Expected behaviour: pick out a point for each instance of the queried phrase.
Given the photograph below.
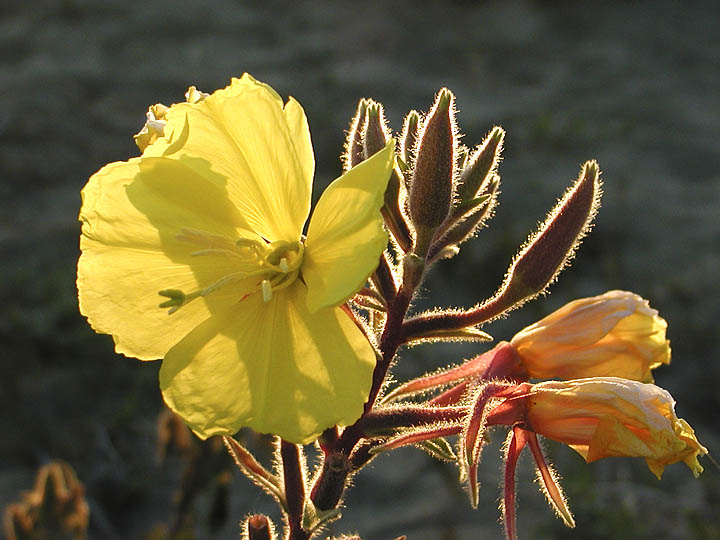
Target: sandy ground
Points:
(633, 84)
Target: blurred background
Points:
(635, 85)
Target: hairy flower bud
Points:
(258, 527)
(408, 139)
(354, 152)
(482, 165)
(547, 252)
(467, 218)
(431, 187)
(614, 334)
(375, 134)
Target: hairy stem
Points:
(337, 467)
(294, 487)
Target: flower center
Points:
(270, 266)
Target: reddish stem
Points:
(331, 482)
(294, 487)
(456, 320)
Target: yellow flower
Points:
(608, 416)
(615, 334)
(211, 217)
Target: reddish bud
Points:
(408, 139)
(354, 151)
(259, 527)
(466, 219)
(547, 252)
(431, 187)
(482, 165)
(375, 134)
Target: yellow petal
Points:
(246, 135)
(132, 214)
(272, 366)
(346, 237)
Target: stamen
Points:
(276, 265)
(266, 290)
(215, 251)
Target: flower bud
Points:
(375, 134)
(547, 252)
(354, 152)
(431, 187)
(469, 217)
(408, 139)
(611, 417)
(259, 527)
(615, 334)
(482, 165)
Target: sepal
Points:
(251, 468)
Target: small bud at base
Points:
(259, 527)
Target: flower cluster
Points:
(198, 252)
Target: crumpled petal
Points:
(132, 213)
(611, 417)
(260, 144)
(271, 366)
(614, 334)
(346, 236)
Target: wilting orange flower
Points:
(616, 334)
(608, 416)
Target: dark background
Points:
(634, 84)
